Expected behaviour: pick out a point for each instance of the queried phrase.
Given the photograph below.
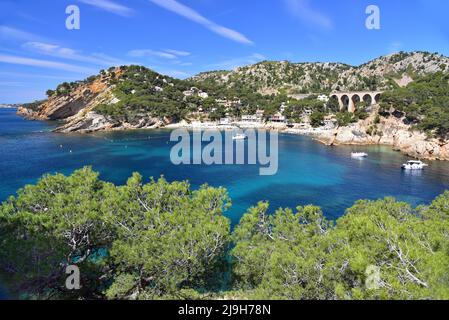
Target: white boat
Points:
(359, 155)
(239, 137)
(414, 165)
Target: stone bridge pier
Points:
(348, 100)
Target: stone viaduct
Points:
(348, 100)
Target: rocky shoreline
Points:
(78, 113)
(392, 132)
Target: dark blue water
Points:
(309, 173)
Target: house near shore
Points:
(260, 113)
(278, 117)
(252, 118)
(258, 117)
(225, 121)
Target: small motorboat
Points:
(359, 155)
(414, 165)
(240, 137)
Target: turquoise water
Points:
(309, 173)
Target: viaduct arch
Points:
(348, 100)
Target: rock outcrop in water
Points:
(388, 131)
(92, 122)
(77, 107)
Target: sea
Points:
(308, 171)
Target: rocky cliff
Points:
(76, 106)
(79, 98)
(388, 131)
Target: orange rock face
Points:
(65, 106)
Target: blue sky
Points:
(183, 37)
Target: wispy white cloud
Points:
(140, 53)
(10, 33)
(188, 13)
(70, 54)
(165, 54)
(9, 59)
(178, 52)
(238, 62)
(110, 6)
(47, 48)
(11, 84)
(185, 64)
(307, 14)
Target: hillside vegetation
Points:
(141, 91)
(424, 103)
(163, 240)
(415, 86)
(383, 73)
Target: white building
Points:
(323, 98)
(260, 113)
(278, 117)
(252, 118)
(203, 95)
(195, 91)
(282, 107)
(225, 122)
